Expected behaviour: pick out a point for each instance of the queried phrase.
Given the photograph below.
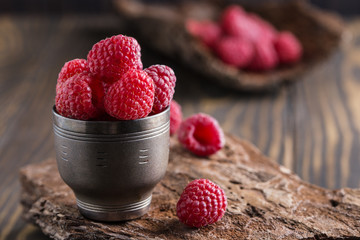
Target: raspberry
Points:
(201, 134)
(288, 48)
(235, 51)
(76, 99)
(131, 97)
(267, 30)
(106, 86)
(98, 91)
(207, 31)
(112, 57)
(164, 81)
(235, 22)
(201, 203)
(175, 117)
(69, 69)
(265, 57)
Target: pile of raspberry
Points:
(111, 83)
(246, 41)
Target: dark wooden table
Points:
(311, 126)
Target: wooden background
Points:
(345, 7)
(311, 126)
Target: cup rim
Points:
(140, 119)
(111, 127)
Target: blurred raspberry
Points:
(69, 69)
(201, 203)
(207, 31)
(131, 97)
(288, 48)
(235, 22)
(235, 51)
(76, 99)
(201, 134)
(175, 117)
(268, 31)
(265, 57)
(112, 57)
(164, 81)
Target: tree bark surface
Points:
(265, 201)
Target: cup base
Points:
(114, 213)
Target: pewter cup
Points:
(112, 166)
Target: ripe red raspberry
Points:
(131, 97)
(265, 57)
(106, 86)
(98, 91)
(112, 57)
(69, 69)
(164, 81)
(201, 134)
(207, 31)
(235, 51)
(201, 203)
(288, 48)
(76, 99)
(235, 22)
(175, 117)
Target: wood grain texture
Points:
(312, 127)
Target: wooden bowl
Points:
(163, 28)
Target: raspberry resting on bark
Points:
(201, 203)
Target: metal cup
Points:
(112, 166)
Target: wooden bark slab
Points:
(163, 28)
(265, 201)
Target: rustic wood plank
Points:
(326, 131)
(22, 127)
(350, 71)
